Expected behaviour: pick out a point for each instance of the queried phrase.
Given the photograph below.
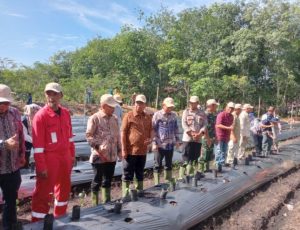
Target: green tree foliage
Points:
(237, 52)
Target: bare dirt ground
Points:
(276, 205)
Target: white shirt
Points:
(245, 124)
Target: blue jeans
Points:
(221, 152)
(267, 143)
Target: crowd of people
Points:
(209, 137)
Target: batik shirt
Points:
(10, 125)
(194, 121)
(165, 128)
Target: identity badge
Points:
(54, 137)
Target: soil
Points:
(276, 205)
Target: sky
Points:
(34, 30)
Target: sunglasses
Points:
(4, 103)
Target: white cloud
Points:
(175, 5)
(92, 17)
(12, 14)
(30, 43)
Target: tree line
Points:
(247, 51)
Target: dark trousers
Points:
(134, 165)
(103, 174)
(267, 143)
(258, 143)
(28, 147)
(10, 184)
(191, 152)
(158, 158)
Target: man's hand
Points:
(234, 139)
(43, 174)
(190, 133)
(231, 128)
(12, 143)
(209, 142)
(22, 161)
(197, 136)
(148, 141)
(154, 148)
(124, 154)
(177, 145)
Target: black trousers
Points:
(10, 184)
(258, 143)
(158, 158)
(103, 174)
(134, 165)
(191, 152)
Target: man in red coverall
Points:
(53, 154)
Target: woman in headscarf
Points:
(29, 112)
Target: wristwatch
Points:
(1, 144)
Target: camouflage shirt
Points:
(211, 123)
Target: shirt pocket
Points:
(190, 119)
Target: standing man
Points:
(118, 109)
(103, 135)
(266, 125)
(256, 131)
(12, 156)
(208, 141)
(166, 137)
(136, 135)
(29, 112)
(245, 130)
(233, 145)
(224, 126)
(194, 122)
(53, 154)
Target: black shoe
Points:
(227, 165)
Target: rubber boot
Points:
(156, 178)
(206, 166)
(168, 175)
(189, 169)
(140, 188)
(201, 166)
(95, 198)
(105, 195)
(125, 188)
(181, 172)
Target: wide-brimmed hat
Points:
(211, 102)
(5, 94)
(118, 98)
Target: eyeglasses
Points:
(4, 103)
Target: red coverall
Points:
(53, 151)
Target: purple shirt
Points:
(225, 119)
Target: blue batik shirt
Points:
(165, 127)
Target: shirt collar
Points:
(51, 112)
(137, 114)
(102, 114)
